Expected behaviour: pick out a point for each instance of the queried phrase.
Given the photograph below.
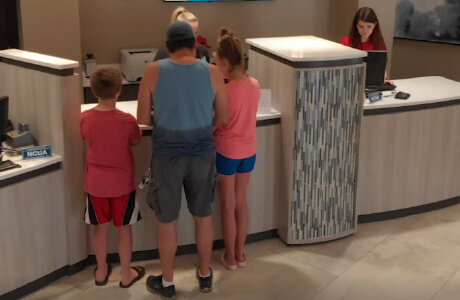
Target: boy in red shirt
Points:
(109, 175)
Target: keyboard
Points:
(382, 88)
(8, 164)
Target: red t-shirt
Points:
(109, 170)
(364, 46)
(237, 139)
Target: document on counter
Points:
(265, 102)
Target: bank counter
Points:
(40, 209)
(263, 190)
(42, 233)
(409, 158)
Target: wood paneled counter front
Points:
(409, 157)
(41, 231)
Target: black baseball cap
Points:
(179, 31)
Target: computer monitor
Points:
(375, 70)
(3, 117)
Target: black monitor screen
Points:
(3, 117)
(375, 70)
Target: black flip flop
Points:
(140, 273)
(102, 283)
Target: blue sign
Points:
(374, 97)
(37, 152)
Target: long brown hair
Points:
(366, 14)
(229, 48)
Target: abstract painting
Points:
(428, 20)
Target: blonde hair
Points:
(229, 47)
(181, 14)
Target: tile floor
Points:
(413, 258)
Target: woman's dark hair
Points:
(176, 45)
(366, 14)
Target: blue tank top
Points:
(183, 104)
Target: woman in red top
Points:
(365, 31)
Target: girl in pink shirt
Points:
(236, 148)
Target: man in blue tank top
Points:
(188, 98)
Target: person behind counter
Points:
(183, 15)
(236, 148)
(109, 175)
(188, 98)
(365, 33)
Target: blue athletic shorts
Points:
(228, 166)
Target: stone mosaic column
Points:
(318, 86)
(325, 153)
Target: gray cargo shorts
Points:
(196, 175)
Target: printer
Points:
(134, 61)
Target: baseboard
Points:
(34, 285)
(401, 213)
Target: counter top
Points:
(305, 48)
(28, 165)
(423, 90)
(131, 108)
(38, 59)
(116, 66)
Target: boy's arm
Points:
(136, 142)
(136, 134)
(81, 127)
(221, 111)
(146, 90)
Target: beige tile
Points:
(82, 280)
(427, 244)
(370, 279)
(451, 213)
(113, 292)
(337, 256)
(59, 289)
(38, 295)
(398, 259)
(437, 260)
(451, 290)
(271, 276)
(432, 225)
(256, 249)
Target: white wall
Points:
(51, 27)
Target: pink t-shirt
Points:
(237, 139)
(109, 170)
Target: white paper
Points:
(265, 102)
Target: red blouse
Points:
(364, 46)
